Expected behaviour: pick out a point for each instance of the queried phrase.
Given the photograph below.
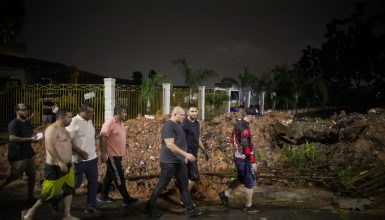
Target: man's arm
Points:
(247, 145)
(176, 150)
(79, 151)
(72, 128)
(14, 138)
(103, 148)
(50, 138)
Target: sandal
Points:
(24, 215)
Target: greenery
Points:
(344, 176)
(300, 157)
(347, 67)
(148, 89)
(342, 214)
(193, 78)
(216, 100)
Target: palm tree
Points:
(193, 77)
(247, 80)
(148, 89)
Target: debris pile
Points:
(338, 151)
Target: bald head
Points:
(177, 110)
(177, 114)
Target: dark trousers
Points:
(90, 169)
(167, 172)
(115, 173)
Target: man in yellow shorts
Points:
(59, 173)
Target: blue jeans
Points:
(90, 169)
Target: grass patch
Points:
(300, 156)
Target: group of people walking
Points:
(71, 155)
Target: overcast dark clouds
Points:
(115, 38)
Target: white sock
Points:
(249, 197)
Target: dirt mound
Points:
(344, 146)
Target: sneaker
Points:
(194, 212)
(105, 199)
(92, 210)
(183, 206)
(224, 199)
(129, 201)
(251, 209)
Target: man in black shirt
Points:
(173, 159)
(47, 112)
(20, 151)
(191, 128)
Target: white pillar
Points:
(166, 98)
(262, 103)
(229, 100)
(248, 99)
(109, 98)
(201, 103)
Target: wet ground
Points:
(12, 202)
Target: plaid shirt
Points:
(243, 139)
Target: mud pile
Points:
(346, 144)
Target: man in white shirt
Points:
(85, 159)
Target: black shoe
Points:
(224, 199)
(251, 209)
(194, 212)
(149, 210)
(129, 201)
(55, 207)
(92, 210)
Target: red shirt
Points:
(243, 139)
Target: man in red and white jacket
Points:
(243, 152)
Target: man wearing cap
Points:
(20, 151)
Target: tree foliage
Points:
(148, 89)
(193, 78)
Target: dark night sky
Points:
(115, 38)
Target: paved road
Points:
(12, 202)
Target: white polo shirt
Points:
(82, 133)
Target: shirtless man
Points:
(59, 173)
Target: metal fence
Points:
(216, 100)
(71, 96)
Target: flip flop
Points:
(24, 215)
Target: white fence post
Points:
(166, 98)
(109, 98)
(229, 100)
(262, 110)
(201, 103)
(248, 100)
